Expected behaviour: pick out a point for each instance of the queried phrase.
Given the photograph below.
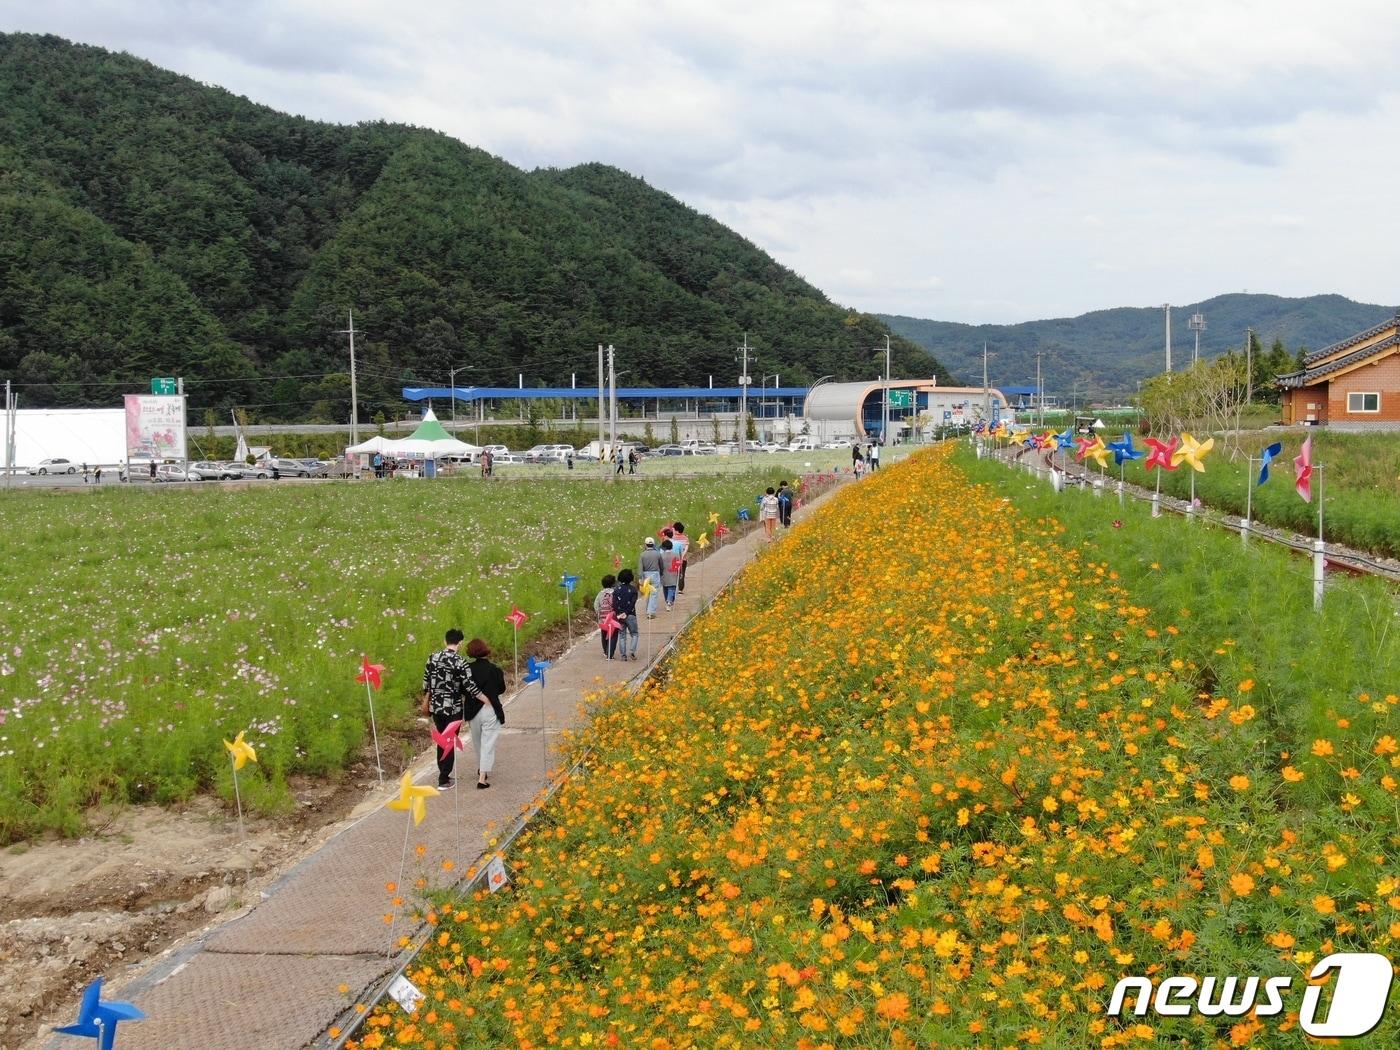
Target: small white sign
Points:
(405, 993)
(496, 876)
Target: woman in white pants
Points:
(485, 719)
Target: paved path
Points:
(269, 978)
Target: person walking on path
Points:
(602, 605)
(855, 454)
(874, 456)
(649, 568)
(85, 473)
(620, 460)
(485, 716)
(768, 511)
(632, 460)
(681, 544)
(97, 474)
(624, 604)
(447, 681)
(670, 572)
(785, 504)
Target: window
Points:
(1363, 402)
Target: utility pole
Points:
(986, 390)
(184, 422)
(885, 399)
(612, 411)
(1039, 391)
(9, 436)
(1197, 324)
(602, 463)
(744, 399)
(354, 391)
(1167, 309)
(1248, 365)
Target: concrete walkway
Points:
(270, 978)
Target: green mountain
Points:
(1103, 354)
(157, 226)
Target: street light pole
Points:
(452, 382)
(1039, 391)
(885, 398)
(744, 398)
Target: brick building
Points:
(1351, 385)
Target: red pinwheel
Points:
(675, 565)
(1160, 455)
(448, 739)
(610, 624)
(721, 529)
(617, 561)
(1303, 471)
(371, 674)
(517, 617)
(1083, 445)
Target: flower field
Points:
(936, 774)
(141, 626)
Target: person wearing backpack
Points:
(681, 543)
(624, 607)
(785, 504)
(602, 605)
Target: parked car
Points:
(496, 450)
(318, 468)
(805, 443)
(771, 446)
(670, 450)
(838, 443)
(172, 472)
(54, 466)
(242, 470)
(287, 468)
(207, 470)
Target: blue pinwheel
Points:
(1266, 457)
(1066, 439)
(568, 581)
(743, 514)
(1123, 450)
(98, 1020)
(534, 670)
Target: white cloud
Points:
(1040, 157)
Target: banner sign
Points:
(155, 425)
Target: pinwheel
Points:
(569, 581)
(98, 1019)
(714, 517)
(413, 798)
(373, 677)
(1270, 453)
(610, 624)
(743, 514)
(1303, 471)
(1193, 452)
(535, 673)
(645, 589)
(535, 670)
(617, 561)
(1266, 456)
(240, 753)
(1161, 454)
(702, 541)
(1082, 447)
(1099, 452)
(1123, 450)
(449, 739)
(516, 619)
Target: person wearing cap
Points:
(484, 712)
(649, 568)
(670, 571)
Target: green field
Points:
(144, 625)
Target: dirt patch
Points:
(74, 909)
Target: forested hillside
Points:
(1105, 353)
(157, 226)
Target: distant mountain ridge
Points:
(158, 226)
(1106, 352)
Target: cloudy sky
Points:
(1001, 160)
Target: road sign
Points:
(163, 385)
(901, 399)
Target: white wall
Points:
(92, 435)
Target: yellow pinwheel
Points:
(413, 798)
(241, 750)
(714, 517)
(1192, 452)
(702, 541)
(645, 588)
(1098, 451)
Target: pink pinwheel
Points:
(1083, 445)
(610, 624)
(1303, 470)
(517, 617)
(675, 565)
(371, 674)
(448, 739)
(1161, 454)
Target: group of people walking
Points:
(869, 459)
(457, 690)
(659, 578)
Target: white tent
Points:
(374, 444)
(430, 440)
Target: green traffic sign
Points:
(901, 399)
(164, 385)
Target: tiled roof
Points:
(1309, 376)
(1352, 340)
